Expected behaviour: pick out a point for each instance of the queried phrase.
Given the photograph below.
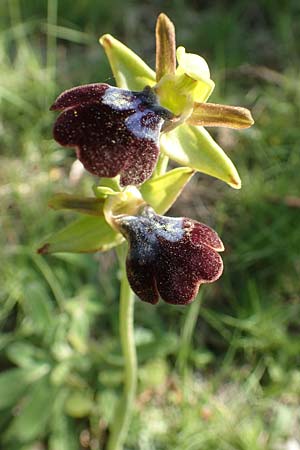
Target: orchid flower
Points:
(182, 89)
(169, 257)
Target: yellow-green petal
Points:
(193, 146)
(197, 68)
(161, 192)
(129, 70)
(214, 115)
(194, 65)
(165, 47)
(85, 235)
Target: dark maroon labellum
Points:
(115, 131)
(170, 257)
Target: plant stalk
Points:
(124, 407)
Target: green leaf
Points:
(14, 382)
(129, 70)
(34, 415)
(25, 354)
(161, 192)
(193, 146)
(79, 403)
(64, 432)
(106, 401)
(79, 326)
(110, 378)
(38, 307)
(60, 372)
(154, 373)
(84, 205)
(87, 234)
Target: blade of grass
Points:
(51, 39)
(50, 278)
(188, 329)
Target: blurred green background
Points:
(224, 375)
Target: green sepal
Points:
(161, 192)
(85, 235)
(193, 146)
(84, 205)
(129, 70)
(35, 412)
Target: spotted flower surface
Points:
(115, 131)
(169, 257)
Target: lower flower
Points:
(169, 257)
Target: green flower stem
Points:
(162, 165)
(124, 408)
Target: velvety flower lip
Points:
(115, 131)
(169, 257)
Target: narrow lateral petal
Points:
(165, 47)
(214, 115)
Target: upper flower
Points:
(183, 89)
(114, 130)
(169, 257)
